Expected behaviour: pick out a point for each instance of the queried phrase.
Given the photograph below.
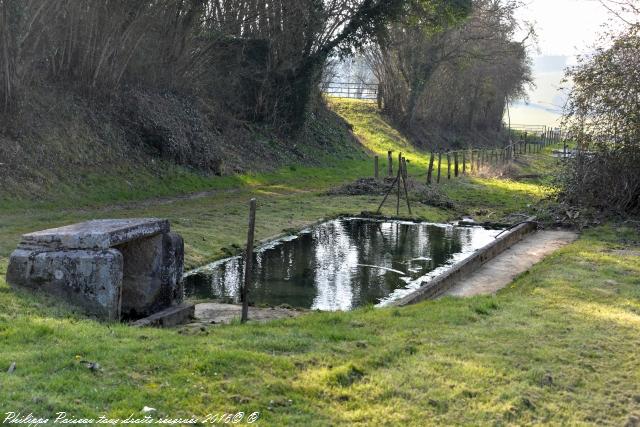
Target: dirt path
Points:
(167, 200)
(500, 271)
(216, 313)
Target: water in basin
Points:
(341, 264)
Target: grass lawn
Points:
(559, 346)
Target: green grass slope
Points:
(558, 346)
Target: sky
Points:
(565, 29)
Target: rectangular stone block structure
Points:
(114, 269)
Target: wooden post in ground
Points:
(448, 165)
(430, 170)
(404, 184)
(439, 166)
(405, 169)
(248, 261)
(472, 158)
(455, 160)
(464, 163)
(376, 173)
(400, 176)
(389, 163)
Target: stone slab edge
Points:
(443, 282)
(68, 237)
(172, 316)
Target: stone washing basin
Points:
(112, 268)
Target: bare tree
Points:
(457, 77)
(603, 115)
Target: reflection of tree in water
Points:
(335, 257)
(222, 281)
(397, 246)
(285, 273)
(338, 265)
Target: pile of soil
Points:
(362, 187)
(425, 194)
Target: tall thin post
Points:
(448, 165)
(439, 166)
(376, 173)
(455, 157)
(248, 261)
(464, 163)
(400, 176)
(430, 170)
(405, 169)
(389, 163)
(404, 184)
(472, 159)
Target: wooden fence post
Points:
(430, 170)
(248, 261)
(376, 173)
(472, 159)
(405, 169)
(448, 165)
(400, 177)
(404, 184)
(439, 165)
(464, 163)
(389, 163)
(455, 159)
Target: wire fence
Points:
(454, 163)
